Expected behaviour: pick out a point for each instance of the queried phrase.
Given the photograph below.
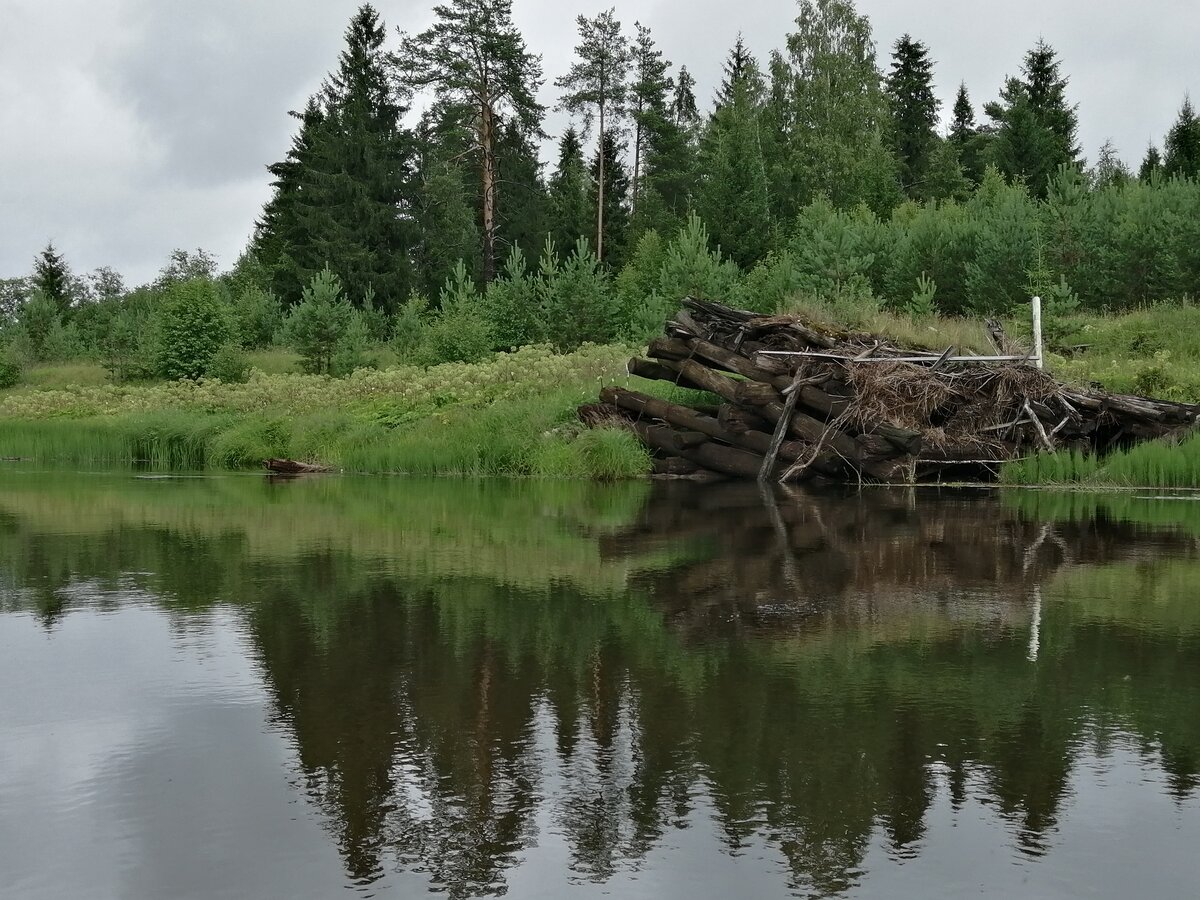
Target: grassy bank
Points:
(513, 414)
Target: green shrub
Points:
(11, 368)
(511, 305)
(318, 323)
(576, 298)
(458, 332)
(408, 326)
(259, 317)
(229, 364)
(193, 324)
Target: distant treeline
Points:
(813, 173)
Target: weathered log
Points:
(756, 393)
(759, 442)
(644, 368)
(294, 467)
(736, 420)
(717, 457)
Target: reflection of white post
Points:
(1035, 630)
(1037, 331)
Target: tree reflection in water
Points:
(811, 671)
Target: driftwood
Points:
(798, 399)
(292, 467)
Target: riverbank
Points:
(513, 414)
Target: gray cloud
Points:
(132, 127)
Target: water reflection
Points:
(582, 688)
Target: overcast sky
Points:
(131, 127)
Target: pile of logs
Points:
(789, 400)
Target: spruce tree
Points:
(647, 103)
(343, 195)
(683, 102)
(1152, 165)
(570, 210)
(52, 277)
(738, 65)
(1023, 147)
(597, 82)
(614, 194)
(914, 108)
(1035, 127)
(732, 193)
(475, 59)
(523, 210)
(1182, 145)
(967, 138)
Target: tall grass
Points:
(536, 437)
(1153, 464)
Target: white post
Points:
(1037, 331)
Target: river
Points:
(242, 687)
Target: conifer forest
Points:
(424, 214)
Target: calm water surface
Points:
(233, 687)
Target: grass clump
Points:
(1152, 464)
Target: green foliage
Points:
(576, 298)
(597, 82)
(259, 317)
(339, 193)
(914, 109)
(458, 333)
(732, 194)
(920, 305)
(510, 305)
(408, 326)
(128, 348)
(636, 284)
(193, 323)
(318, 324)
(52, 278)
(229, 364)
(41, 327)
(11, 367)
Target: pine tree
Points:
(1182, 145)
(614, 194)
(648, 103)
(909, 89)
(475, 59)
(597, 82)
(52, 277)
(570, 210)
(343, 193)
(732, 193)
(838, 107)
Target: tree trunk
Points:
(637, 166)
(600, 194)
(487, 142)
